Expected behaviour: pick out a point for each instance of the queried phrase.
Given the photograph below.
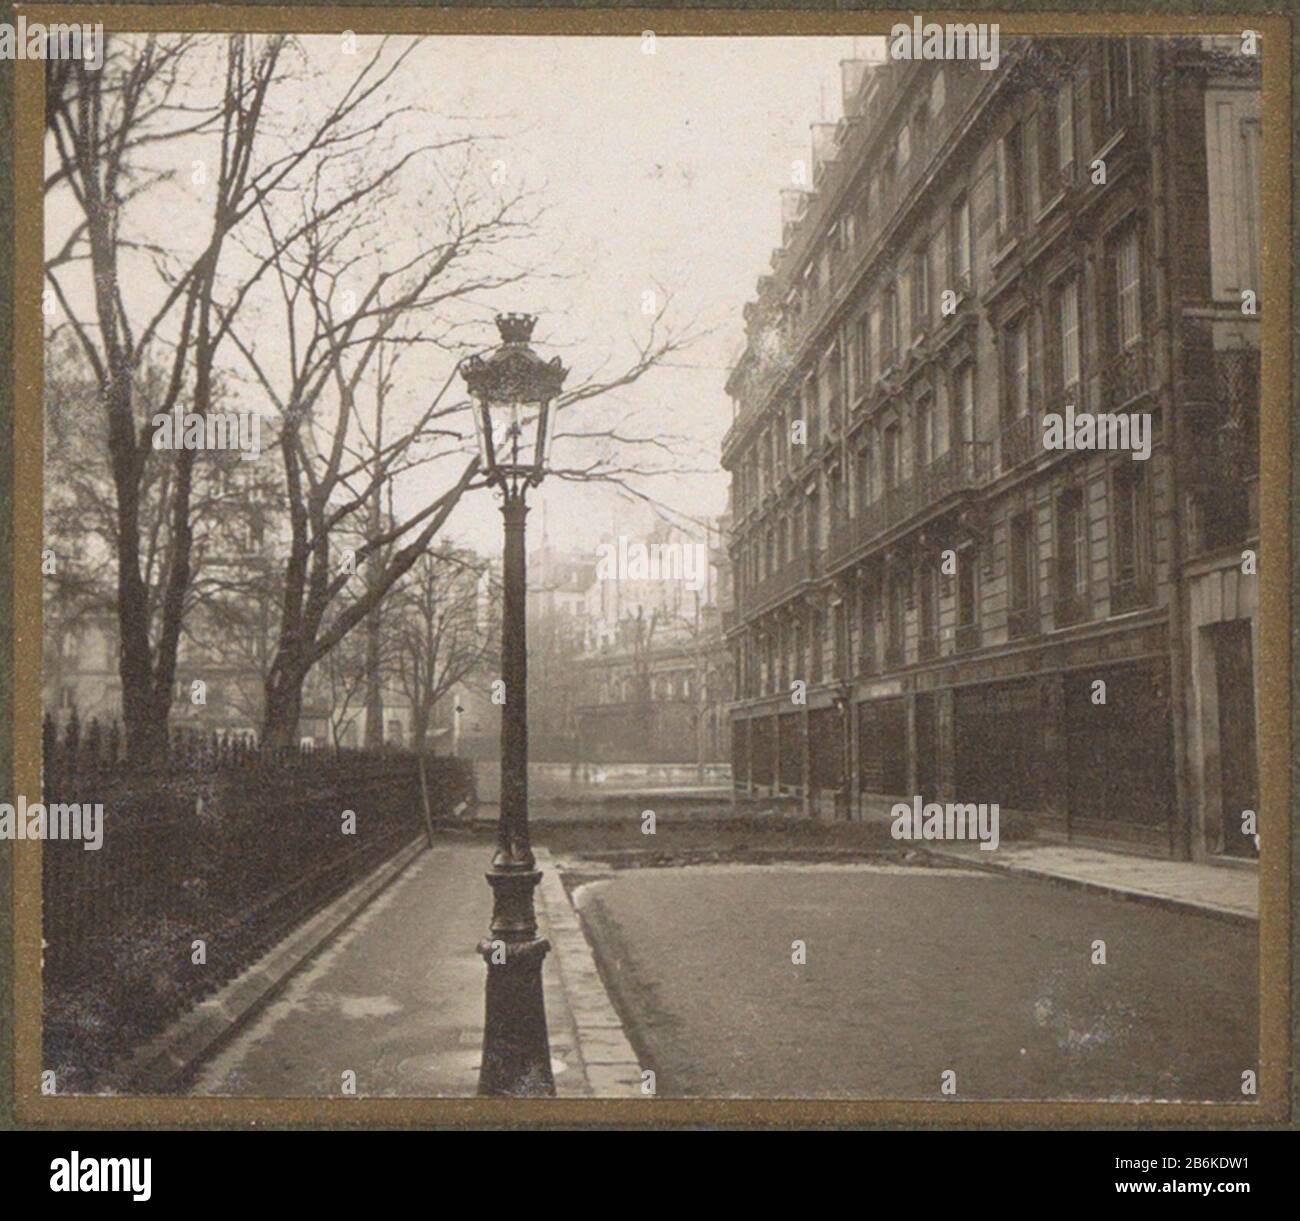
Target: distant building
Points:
(626, 659)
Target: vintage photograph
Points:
(651, 567)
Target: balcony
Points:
(778, 584)
(894, 655)
(965, 467)
(968, 637)
(1021, 440)
(1126, 376)
(927, 646)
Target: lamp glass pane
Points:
(514, 432)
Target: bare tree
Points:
(348, 296)
(101, 123)
(444, 630)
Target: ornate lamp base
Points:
(516, 1049)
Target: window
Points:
(1065, 125)
(1071, 557)
(1132, 532)
(1126, 284)
(1249, 260)
(867, 635)
(934, 277)
(836, 496)
(862, 478)
(1067, 315)
(963, 408)
(810, 409)
(889, 335)
(937, 91)
(959, 242)
(1024, 562)
(892, 457)
(1015, 402)
(1011, 181)
(904, 146)
(861, 350)
(1232, 164)
(1033, 163)
(897, 613)
(920, 287)
(941, 417)
(923, 434)
(966, 605)
(929, 581)
(1117, 77)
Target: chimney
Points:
(852, 73)
(823, 144)
(793, 203)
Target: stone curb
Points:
(1148, 897)
(163, 1064)
(608, 1061)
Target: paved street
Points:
(397, 999)
(911, 972)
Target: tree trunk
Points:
(374, 688)
(283, 710)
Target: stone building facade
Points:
(929, 599)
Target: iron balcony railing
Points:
(964, 467)
(1126, 376)
(779, 583)
(1021, 440)
(1236, 384)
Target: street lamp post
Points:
(513, 388)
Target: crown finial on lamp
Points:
(516, 328)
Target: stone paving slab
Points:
(1226, 891)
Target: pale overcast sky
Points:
(658, 169)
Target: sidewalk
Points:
(1218, 890)
(397, 999)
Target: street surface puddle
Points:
(367, 1006)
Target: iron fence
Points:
(208, 857)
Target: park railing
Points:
(208, 857)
